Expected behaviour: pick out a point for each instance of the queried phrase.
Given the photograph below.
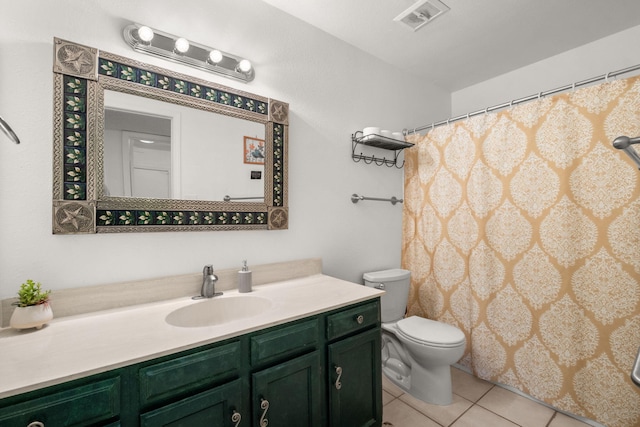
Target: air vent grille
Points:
(421, 13)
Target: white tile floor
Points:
(476, 403)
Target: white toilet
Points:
(417, 353)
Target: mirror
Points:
(147, 141)
(141, 148)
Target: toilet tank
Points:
(395, 283)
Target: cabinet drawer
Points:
(90, 404)
(285, 342)
(353, 320)
(187, 373)
(220, 406)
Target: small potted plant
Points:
(33, 309)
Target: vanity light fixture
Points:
(178, 49)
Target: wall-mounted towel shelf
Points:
(355, 199)
(378, 141)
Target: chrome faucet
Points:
(209, 283)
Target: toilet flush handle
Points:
(379, 286)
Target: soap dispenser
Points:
(244, 278)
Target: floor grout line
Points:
(473, 403)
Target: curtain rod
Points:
(525, 99)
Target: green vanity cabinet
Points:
(289, 394)
(287, 372)
(194, 378)
(280, 376)
(355, 382)
(354, 367)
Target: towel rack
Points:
(355, 199)
(624, 143)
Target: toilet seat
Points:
(430, 332)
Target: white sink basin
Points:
(218, 310)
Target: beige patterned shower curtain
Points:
(522, 228)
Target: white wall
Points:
(333, 90)
(612, 53)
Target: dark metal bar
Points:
(355, 199)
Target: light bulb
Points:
(215, 56)
(244, 65)
(182, 45)
(145, 33)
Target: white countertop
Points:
(78, 346)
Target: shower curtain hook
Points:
(539, 95)
(486, 110)
(467, 116)
(606, 77)
(433, 125)
(573, 87)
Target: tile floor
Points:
(476, 403)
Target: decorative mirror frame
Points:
(81, 74)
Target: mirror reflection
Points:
(155, 149)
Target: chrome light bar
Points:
(178, 49)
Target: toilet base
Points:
(433, 384)
(399, 379)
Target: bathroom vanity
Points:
(310, 358)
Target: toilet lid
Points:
(437, 334)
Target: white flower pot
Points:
(33, 316)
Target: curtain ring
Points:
(573, 87)
(448, 120)
(467, 116)
(539, 95)
(606, 77)
(433, 125)
(486, 110)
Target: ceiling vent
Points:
(421, 13)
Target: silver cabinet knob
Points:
(360, 319)
(35, 424)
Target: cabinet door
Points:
(355, 381)
(289, 394)
(219, 406)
